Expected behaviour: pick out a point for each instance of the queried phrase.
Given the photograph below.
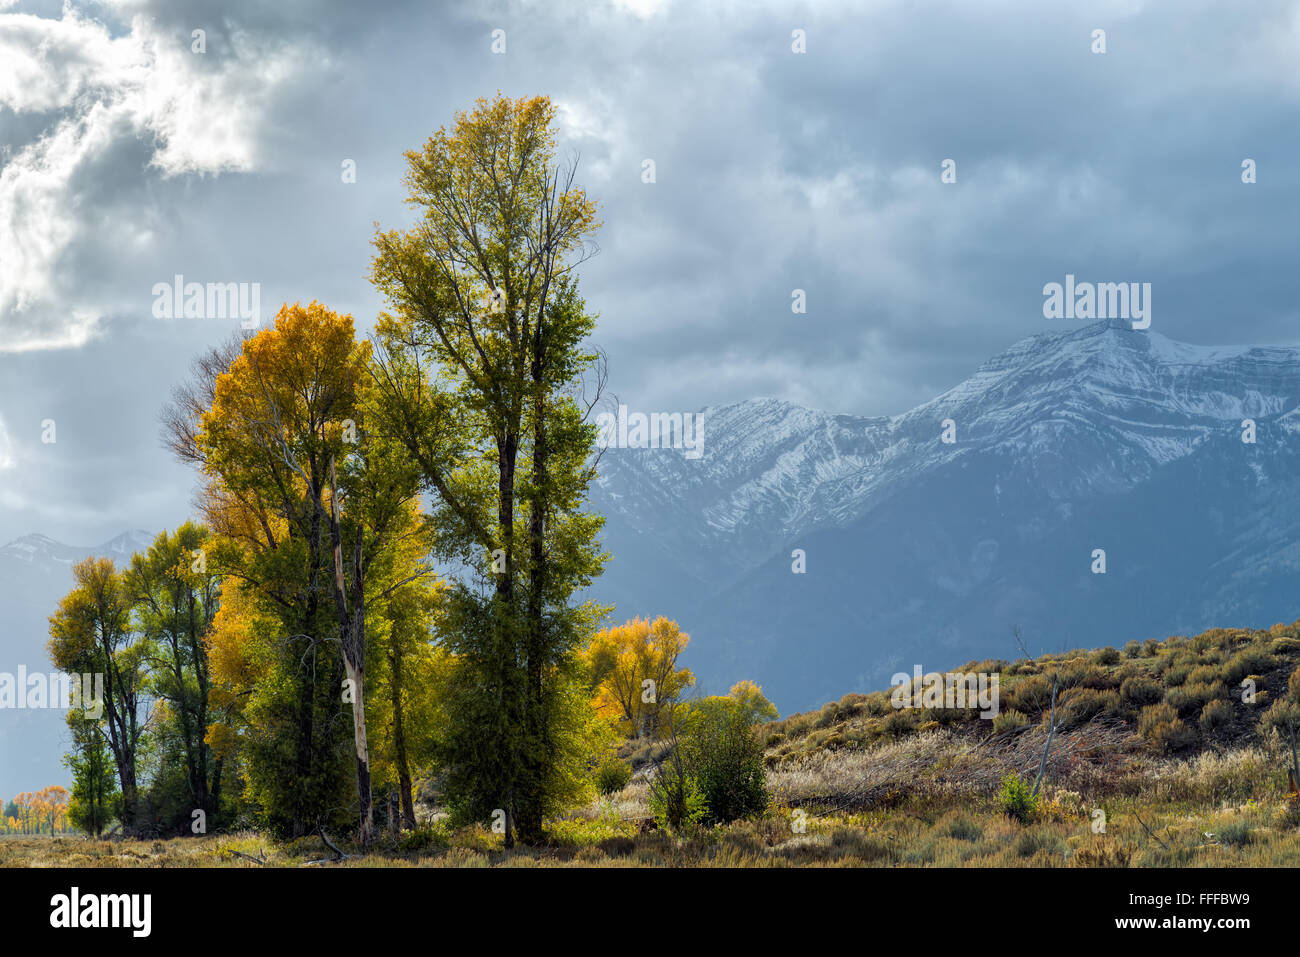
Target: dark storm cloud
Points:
(775, 171)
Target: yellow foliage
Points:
(634, 672)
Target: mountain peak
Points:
(38, 547)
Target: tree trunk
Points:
(353, 639)
(399, 742)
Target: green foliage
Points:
(1106, 656)
(478, 367)
(1237, 833)
(1215, 715)
(612, 775)
(1172, 736)
(1016, 799)
(1249, 661)
(723, 754)
(899, 722)
(1153, 715)
(676, 800)
(1031, 695)
(1009, 720)
(1080, 705)
(496, 754)
(1189, 699)
(95, 800)
(1138, 692)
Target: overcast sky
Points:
(128, 158)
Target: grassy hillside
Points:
(1155, 737)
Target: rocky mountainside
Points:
(1097, 438)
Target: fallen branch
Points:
(1151, 832)
(338, 854)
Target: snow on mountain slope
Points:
(1099, 436)
(1091, 410)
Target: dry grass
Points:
(855, 785)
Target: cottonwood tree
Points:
(312, 502)
(633, 668)
(483, 378)
(91, 633)
(94, 800)
(175, 597)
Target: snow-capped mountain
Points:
(917, 550)
(924, 551)
(35, 573)
(45, 554)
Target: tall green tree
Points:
(95, 799)
(92, 633)
(176, 597)
(483, 377)
(314, 519)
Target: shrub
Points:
(829, 714)
(1137, 692)
(878, 704)
(898, 722)
(1215, 715)
(964, 829)
(1106, 656)
(1284, 646)
(1153, 715)
(1132, 649)
(1102, 679)
(422, 839)
(1032, 695)
(1016, 799)
(1080, 705)
(676, 800)
(1236, 833)
(725, 758)
(1009, 720)
(1171, 736)
(612, 776)
(1029, 843)
(1150, 648)
(1191, 698)
(1283, 717)
(1102, 854)
(1246, 662)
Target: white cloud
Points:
(645, 9)
(197, 113)
(6, 448)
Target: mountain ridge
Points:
(1062, 440)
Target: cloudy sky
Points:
(127, 158)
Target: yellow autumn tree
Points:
(634, 673)
(747, 699)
